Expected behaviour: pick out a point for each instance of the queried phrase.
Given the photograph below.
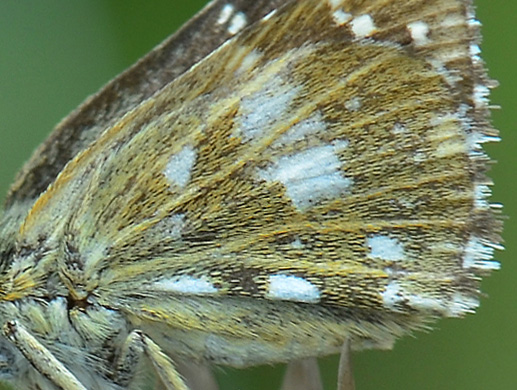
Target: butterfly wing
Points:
(322, 170)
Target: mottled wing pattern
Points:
(325, 162)
(218, 21)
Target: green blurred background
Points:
(55, 53)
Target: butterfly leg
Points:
(302, 375)
(138, 344)
(345, 380)
(128, 359)
(40, 357)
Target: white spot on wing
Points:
(225, 14)
(420, 302)
(481, 93)
(479, 254)
(391, 296)
(186, 284)
(353, 104)
(419, 157)
(292, 288)
(341, 17)
(475, 51)
(481, 193)
(475, 139)
(315, 124)
(395, 295)
(179, 167)
(399, 128)
(249, 61)
(312, 175)
(297, 244)
(474, 22)
(237, 23)
(462, 304)
(386, 248)
(363, 26)
(260, 110)
(334, 3)
(172, 226)
(419, 31)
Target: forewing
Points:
(325, 156)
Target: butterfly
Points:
(276, 181)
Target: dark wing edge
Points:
(193, 41)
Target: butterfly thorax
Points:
(42, 294)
